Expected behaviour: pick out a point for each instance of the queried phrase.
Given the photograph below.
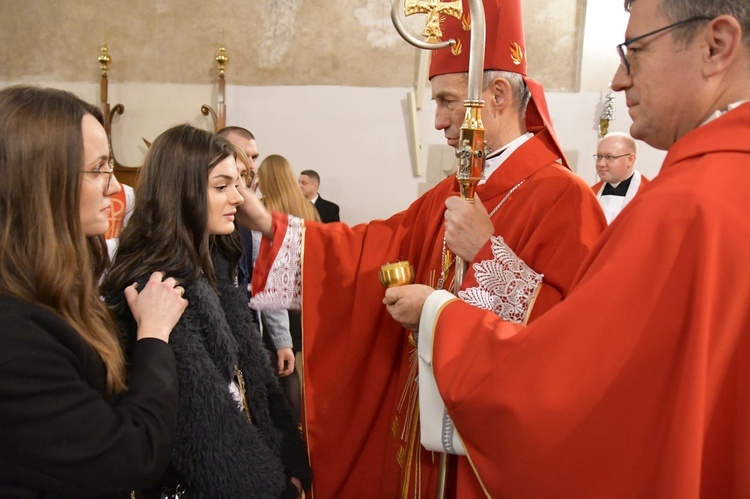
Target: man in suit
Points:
(615, 165)
(309, 181)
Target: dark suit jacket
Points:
(59, 436)
(329, 212)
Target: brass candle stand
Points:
(125, 174)
(608, 114)
(220, 118)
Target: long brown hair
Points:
(168, 229)
(281, 191)
(45, 257)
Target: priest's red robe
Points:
(359, 391)
(637, 384)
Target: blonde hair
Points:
(281, 191)
(241, 157)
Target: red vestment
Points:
(118, 207)
(637, 384)
(358, 364)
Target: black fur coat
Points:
(218, 453)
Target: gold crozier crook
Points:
(434, 9)
(472, 149)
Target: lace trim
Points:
(506, 284)
(284, 287)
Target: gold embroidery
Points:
(516, 53)
(413, 447)
(408, 454)
(241, 384)
(466, 22)
(457, 48)
(116, 215)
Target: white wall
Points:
(356, 138)
(576, 116)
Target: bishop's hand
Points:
(467, 226)
(405, 303)
(252, 214)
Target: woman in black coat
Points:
(236, 437)
(69, 427)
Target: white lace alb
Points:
(506, 284)
(284, 286)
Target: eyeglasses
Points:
(622, 48)
(609, 157)
(110, 172)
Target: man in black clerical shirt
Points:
(615, 165)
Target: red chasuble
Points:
(637, 384)
(360, 411)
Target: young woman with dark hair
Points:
(236, 436)
(71, 424)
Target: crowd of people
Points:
(238, 342)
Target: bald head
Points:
(615, 157)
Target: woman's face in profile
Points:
(98, 184)
(223, 196)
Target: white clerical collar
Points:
(497, 158)
(719, 112)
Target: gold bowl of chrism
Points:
(396, 274)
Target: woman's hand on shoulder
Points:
(157, 307)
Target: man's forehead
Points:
(449, 84)
(250, 145)
(609, 141)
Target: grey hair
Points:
(627, 138)
(678, 10)
(521, 92)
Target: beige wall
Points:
(354, 136)
(269, 42)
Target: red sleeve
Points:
(626, 388)
(269, 249)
